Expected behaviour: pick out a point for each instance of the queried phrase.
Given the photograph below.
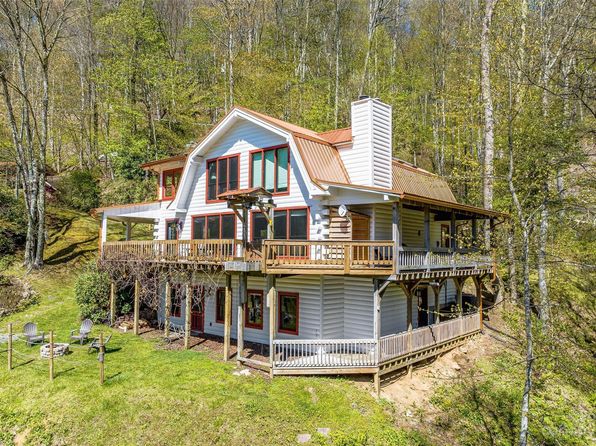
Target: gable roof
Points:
(337, 136)
(412, 180)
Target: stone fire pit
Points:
(59, 350)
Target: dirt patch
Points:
(15, 295)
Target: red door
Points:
(197, 318)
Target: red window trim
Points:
(220, 214)
(215, 200)
(287, 209)
(263, 150)
(217, 297)
(288, 294)
(169, 220)
(246, 323)
(163, 183)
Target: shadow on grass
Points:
(63, 372)
(21, 364)
(66, 225)
(115, 375)
(70, 252)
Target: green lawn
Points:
(155, 396)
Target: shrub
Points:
(79, 189)
(92, 289)
(13, 223)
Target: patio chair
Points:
(176, 332)
(83, 331)
(32, 335)
(95, 343)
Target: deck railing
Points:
(324, 353)
(354, 257)
(201, 251)
(404, 343)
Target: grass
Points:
(155, 396)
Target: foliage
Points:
(92, 289)
(13, 222)
(124, 191)
(79, 189)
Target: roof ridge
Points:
(335, 130)
(413, 168)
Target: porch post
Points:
(241, 301)
(112, 302)
(396, 233)
(272, 300)
(453, 234)
(437, 293)
(409, 322)
(128, 231)
(479, 299)
(136, 307)
(227, 317)
(187, 312)
(168, 307)
(103, 232)
(459, 285)
(377, 332)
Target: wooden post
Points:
(187, 312)
(51, 355)
(241, 301)
(103, 232)
(102, 351)
(409, 322)
(396, 233)
(459, 285)
(136, 307)
(479, 300)
(227, 317)
(272, 300)
(437, 292)
(168, 309)
(9, 351)
(128, 231)
(112, 303)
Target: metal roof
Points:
(412, 180)
(322, 161)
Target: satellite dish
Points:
(342, 210)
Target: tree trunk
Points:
(544, 308)
(489, 143)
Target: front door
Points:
(422, 295)
(360, 231)
(197, 317)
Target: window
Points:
(220, 306)
(172, 229)
(215, 226)
(222, 175)
(176, 302)
(288, 313)
(445, 239)
(288, 224)
(270, 169)
(170, 180)
(253, 309)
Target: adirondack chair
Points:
(83, 333)
(32, 335)
(95, 343)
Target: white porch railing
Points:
(324, 353)
(439, 258)
(400, 344)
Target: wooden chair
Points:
(95, 343)
(83, 333)
(31, 334)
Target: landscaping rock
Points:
(243, 372)
(323, 431)
(303, 438)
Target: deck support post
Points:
(103, 232)
(227, 317)
(242, 288)
(396, 208)
(459, 285)
(272, 301)
(187, 312)
(112, 303)
(128, 231)
(168, 309)
(136, 307)
(437, 293)
(478, 282)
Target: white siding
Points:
(358, 307)
(333, 307)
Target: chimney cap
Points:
(363, 96)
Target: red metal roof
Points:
(337, 136)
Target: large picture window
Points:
(270, 169)
(215, 226)
(253, 309)
(169, 183)
(288, 224)
(289, 309)
(222, 175)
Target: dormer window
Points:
(169, 183)
(270, 169)
(222, 175)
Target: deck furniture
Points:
(94, 345)
(32, 335)
(83, 332)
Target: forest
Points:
(496, 96)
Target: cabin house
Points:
(334, 256)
